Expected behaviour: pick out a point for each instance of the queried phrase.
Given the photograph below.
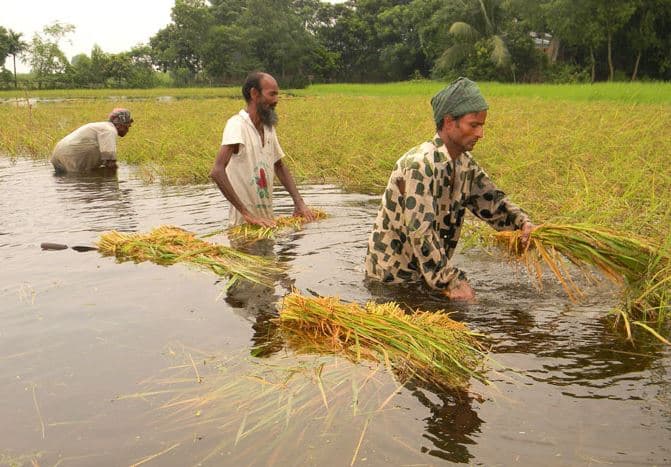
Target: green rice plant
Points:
(427, 345)
(641, 266)
(570, 171)
(249, 233)
(168, 245)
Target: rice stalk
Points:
(427, 345)
(250, 233)
(167, 245)
(239, 397)
(640, 266)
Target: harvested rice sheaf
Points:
(168, 245)
(640, 266)
(427, 345)
(249, 233)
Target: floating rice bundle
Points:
(168, 245)
(639, 265)
(427, 345)
(249, 233)
(240, 400)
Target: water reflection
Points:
(561, 363)
(97, 196)
(258, 303)
(451, 426)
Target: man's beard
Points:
(268, 115)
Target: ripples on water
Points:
(76, 330)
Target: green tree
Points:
(483, 26)
(4, 45)
(401, 51)
(80, 74)
(178, 47)
(642, 33)
(574, 22)
(611, 16)
(47, 60)
(14, 46)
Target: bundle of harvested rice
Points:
(426, 345)
(169, 245)
(639, 265)
(249, 233)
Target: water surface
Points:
(81, 334)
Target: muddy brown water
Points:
(81, 336)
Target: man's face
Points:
(467, 130)
(267, 99)
(122, 128)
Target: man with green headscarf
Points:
(419, 221)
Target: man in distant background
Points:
(250, 156)
(92, 146)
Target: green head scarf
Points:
(459, 98)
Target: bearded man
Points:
(422, 210)
(250, 156)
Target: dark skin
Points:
(266, 98)
(121, 130)
(460, 135)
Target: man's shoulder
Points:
(100, 126)
(416, 157)
(238, 118)
(94, 128)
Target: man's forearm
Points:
(224, 184)
(287, 181)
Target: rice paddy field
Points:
(122, 363)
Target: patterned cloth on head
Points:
(120, 116)
(461, 97)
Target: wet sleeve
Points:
(107, 145)
(492, 205)
(233, 132)
(420, 219)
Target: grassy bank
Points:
(177, 93)
(640, 93)
(563, 159)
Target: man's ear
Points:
(254, 93)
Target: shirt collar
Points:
(245, 116)
(440, 154)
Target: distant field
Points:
(603, 159)
(640, 93)
(652, 93)
(179, 93)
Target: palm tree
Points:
(466, 35)
(16, 47)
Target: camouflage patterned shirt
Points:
(422, 211)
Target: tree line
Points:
(217, 42)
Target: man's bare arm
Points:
(220, 177)
(300, 208)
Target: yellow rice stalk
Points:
(642, 267)
(427, 345)
(168, 245)
(249, 233)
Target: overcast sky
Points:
(115, 25)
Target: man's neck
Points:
(453, 149)
(255, 117)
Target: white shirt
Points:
(252, 169)
(85, 148)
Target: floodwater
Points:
(88, 347)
